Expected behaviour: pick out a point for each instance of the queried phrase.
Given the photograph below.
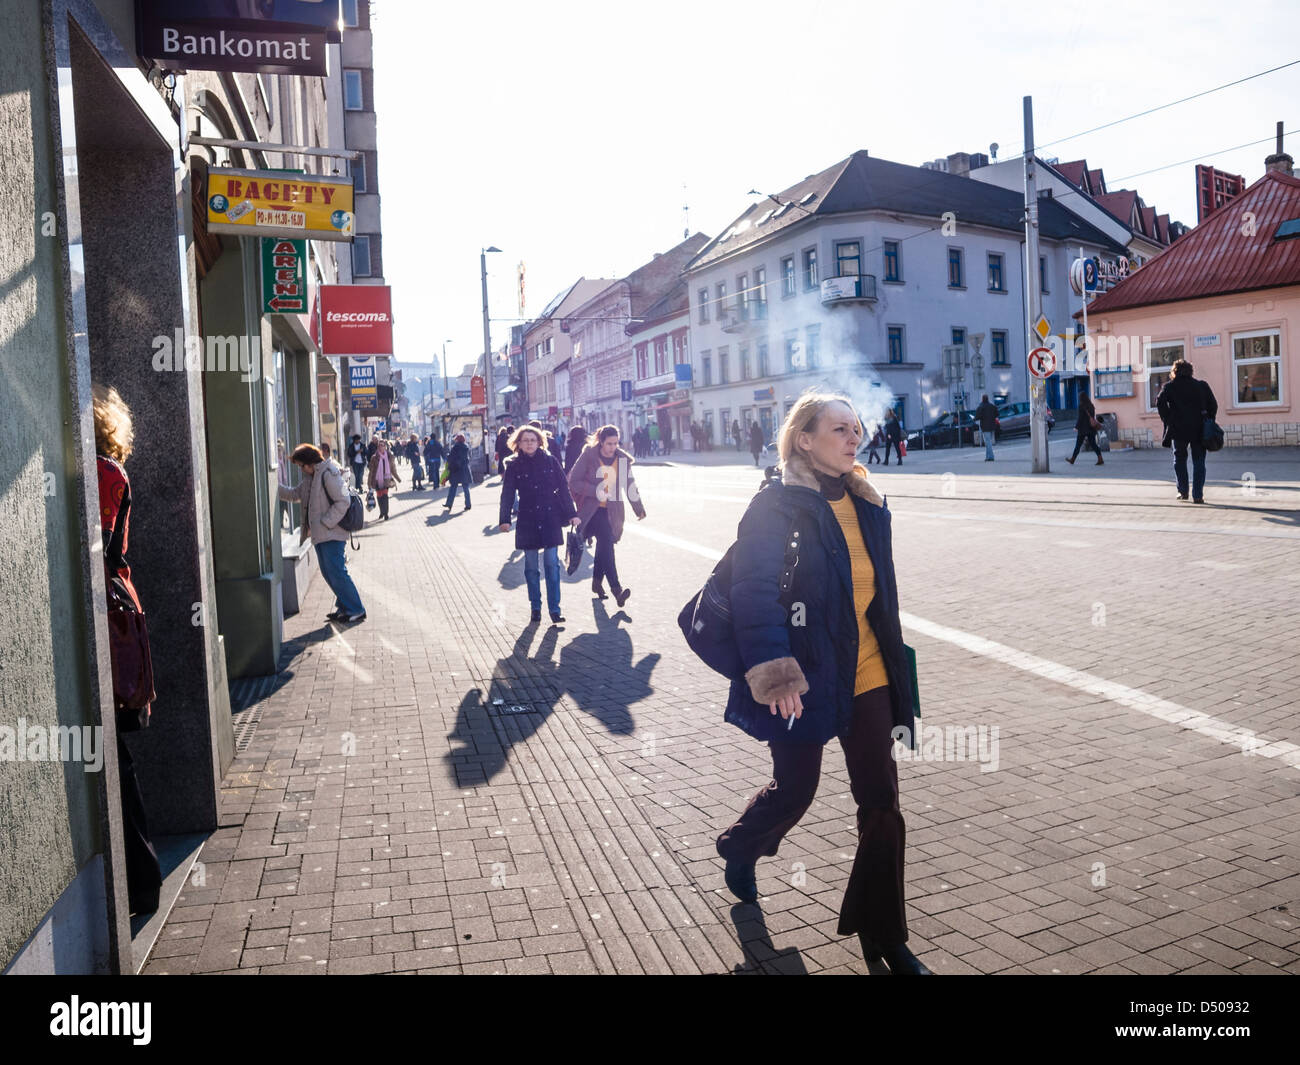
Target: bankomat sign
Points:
(254, 36)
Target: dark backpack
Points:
(706, 620)
(354, 519)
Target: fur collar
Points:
(798, 471)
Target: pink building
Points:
(1226, 297)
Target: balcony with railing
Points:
(849, 288)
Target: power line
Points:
(1153, 110)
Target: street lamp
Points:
(487, 334)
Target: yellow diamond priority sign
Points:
(1042, 327)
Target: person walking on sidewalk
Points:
(114, 434)
(503, 445)
(893, 435)
(357, 460)
(600, 481)
(457, 470)
(433, 456)
(876, 440)
(846, 654)
(545, 508)
(414, 457)
(573, 446)
(987, 415)
(325, 499)
(1183, 404)
(735, 432)
(1085, 430)
(756, 441)
(383, 476)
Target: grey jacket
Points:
(322, 513)
(586, 488)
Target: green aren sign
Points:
(284, 276)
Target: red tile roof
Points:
(1096, 182)
(1073, 172)
(1120, 204)
(1216, 257)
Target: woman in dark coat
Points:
(824, 658)
(756, 441)
(1085, 430)
(433, 456)
(503, 445)
(545, 508)
(600, 481)
(573, 446)
(457, 470)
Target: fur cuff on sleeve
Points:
(769, 681)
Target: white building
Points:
(856, 278)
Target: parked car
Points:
(942, 432)
(1013, 420)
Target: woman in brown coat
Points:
(601, 479)
(383, 475)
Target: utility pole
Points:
(487, 335)
(1034, 298)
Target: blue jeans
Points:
(1198, 467)
(452, 481)
(551, 559)
(332, 556)
(988, 442)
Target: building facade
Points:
(857, 278)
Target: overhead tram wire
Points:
(1153, 110)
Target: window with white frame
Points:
(703, 298)
(760, 292)
(848, 258)
(787, 276)
(810, 268)
(997, 283)
(661, 355)
(742, 296)
(349, 12)
(1257, 367)
(721, 289)
(641, 369)
(1160, 356)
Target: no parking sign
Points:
(1042, 363)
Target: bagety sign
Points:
(254, 36)
(356, 320)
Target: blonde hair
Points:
(803, 418)
(113, 431)
(512, 442)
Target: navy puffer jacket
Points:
(819, 657)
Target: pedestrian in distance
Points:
(1184, 404)
(893, 435)
(457, 470)
(414, 457)
(383, 476)
(573, 446)
(545, 508)
(735, 433)
(371, 448)
(1085, 430)
(433, 456)
(114, 435)
(756, 441)
(843, 650)
(600, 481)
(555, 444)
(325, 500)
(502, 448)
(987, 415)
(357, 459)
(876, 440)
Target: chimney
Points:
(1279, 162)
(959, 164)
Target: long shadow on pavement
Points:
(761, 956)
(596, 669)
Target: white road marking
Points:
(1131, 698)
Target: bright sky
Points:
(563, 131)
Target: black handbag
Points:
(572, 552)
(128, 633)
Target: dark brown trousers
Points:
(873, 902)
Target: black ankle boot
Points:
(901, 961)
(741, 880)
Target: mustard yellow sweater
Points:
(871, 664)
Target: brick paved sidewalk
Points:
(391, 815)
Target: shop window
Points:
(1257, 367)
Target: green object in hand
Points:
(916, 691)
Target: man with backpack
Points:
(1184, 404)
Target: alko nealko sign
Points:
(254, 36)
(279, 203)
